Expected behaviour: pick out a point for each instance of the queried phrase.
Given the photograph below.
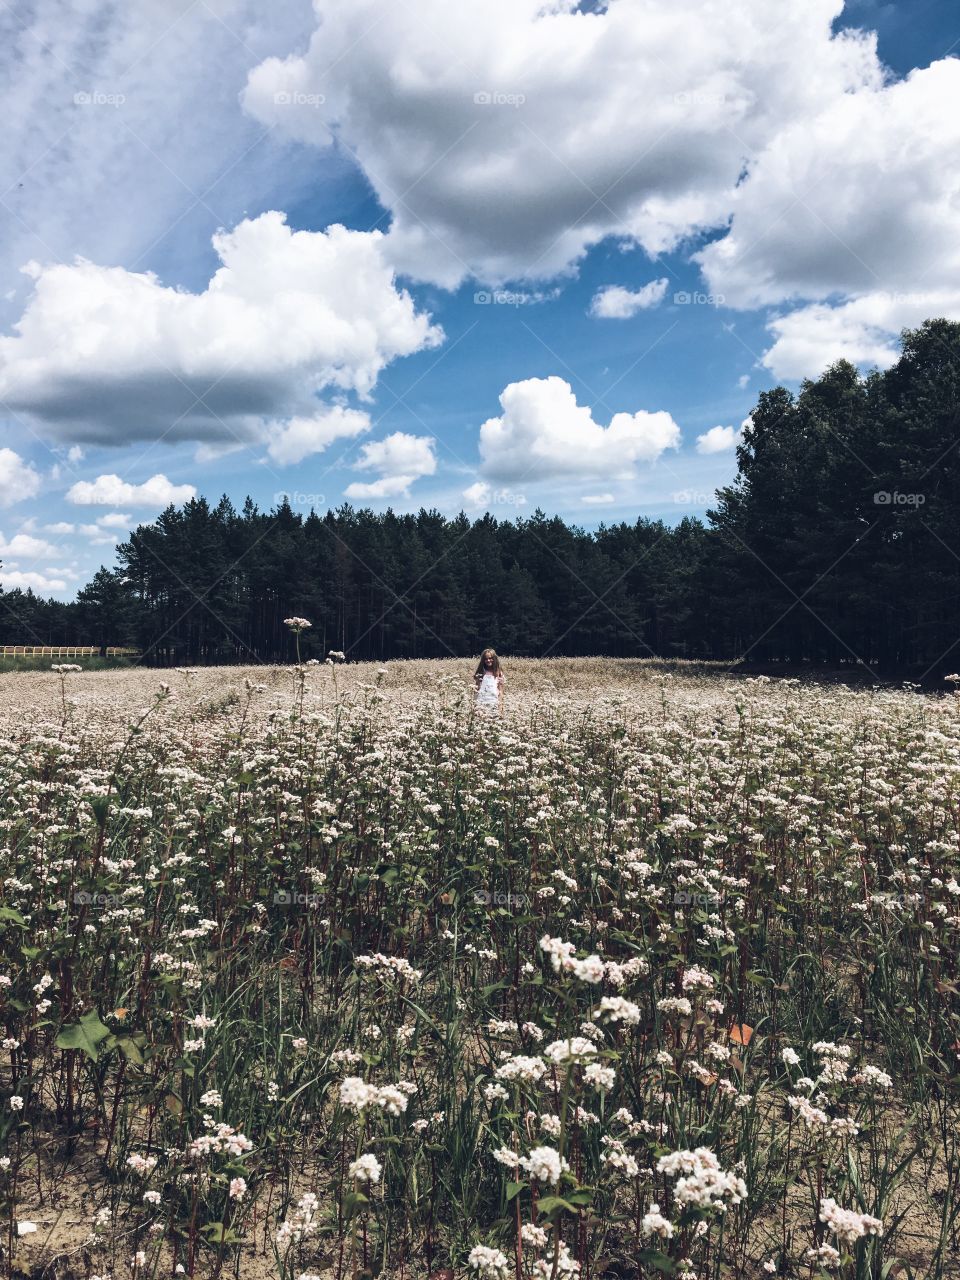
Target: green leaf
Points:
(85, 1035)
(659, 1261)
(9, 913)
(514, 1189)
(550, 1204)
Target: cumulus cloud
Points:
(104, 355)
(543, 433)
(507, 136)
(295, 440)
(18, 479)
(855, 201)
(144, 97)
(478, 495)
(597, 499)
(720, 439)
(25, 544)
(613, 302)
(31, 579)
(108, 490)
(400, 458)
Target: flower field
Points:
(315, 972)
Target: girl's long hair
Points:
(481, 669)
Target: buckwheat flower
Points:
(506, 1157)
(551, 1125)
(211, 1099)
(238, 1188)
(872, 1078)
(697, 979)
(599, 1076)
(392, 1099)
(566, 1050)
(678, 1005)
(355, 1094)
(790, 1057)
(366, 1169)
(299, 1043)
(825, 1256)
(297, 624)
(144, 1165)
(617, 1009)
(16, 1102)
(621, 1161)
(655, 1224)
(151, 1197)
(495, 1093)
(491, 1264)
(545, 1164)
(848, 1225)
(521, 1068)
(532, 1236)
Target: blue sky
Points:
(578, 243)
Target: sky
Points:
(491, 256)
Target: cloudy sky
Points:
(490, 255)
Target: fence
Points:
(64, 651)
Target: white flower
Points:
(366, 1169)
(489, 1263)
(654, 1223)
(847, 1224)
(545, 1164)
(564, 1050)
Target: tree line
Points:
(838, 543)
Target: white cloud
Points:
(61, 527)
(115, 520)
(18, 479)
(478, 495)
(172, 160)
(507, 136)
(104, 355)
(856, 201)
(613, 302)
(25, 544)
(743, 381)
(297, 439)
(597, 499)
(10, 579)
(720, 439)
(544, 433)
(108, 490)
(864, 330)
(400, 458)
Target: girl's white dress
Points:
(488, 698)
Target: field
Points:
(313, 972)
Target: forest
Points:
(837, 544)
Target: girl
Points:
(488, 679)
